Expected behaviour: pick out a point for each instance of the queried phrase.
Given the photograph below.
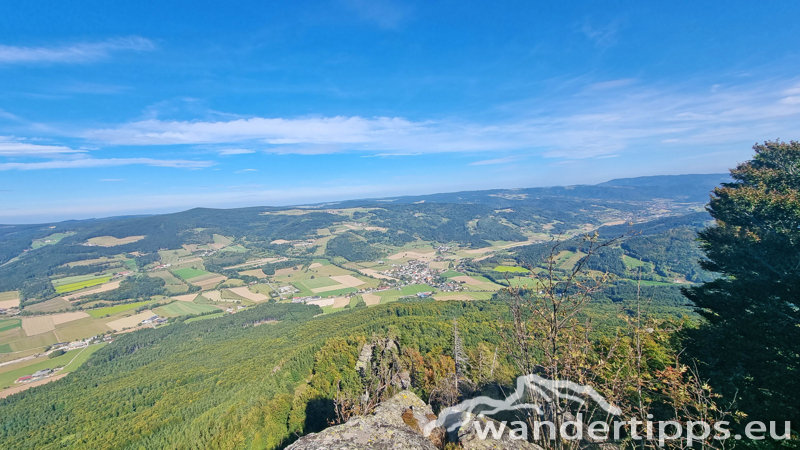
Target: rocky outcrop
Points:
(469, 438)
(396, 424)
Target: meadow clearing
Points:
(111, 310)
(130, 321)
(111, 241)
(176, 309)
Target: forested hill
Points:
(35, 259)
(689, 188)
(227, 383)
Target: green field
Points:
(53, 238)
(235, 249)
(71, 360)
(5, 348)
(304, 291)
(210, 316)
(64, 288)
(337, 292)
(130, 264)
(183, 309)
(9, 324)
(512, 269)
(188, 273)
(111, 310)
(9, 295)
(632, 263)
(319, 282)
(324, 262)
(451, 274)
(220, 239)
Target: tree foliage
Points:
(751, 343)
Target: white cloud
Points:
(487, 162)
(86, 163)
(10, 147)
(246, 170)
(235, 151)
(591, 123)
(75, 53)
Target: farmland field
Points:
(56, 304)
(111, 310)
(510, 269)
(110, 241)
(319, 282)
(451, 274)
(183, 309)
(5, 348)
(130, 321)
(70, 284)
(9, 295)
(9, 324)
(189, 273)
(70, 360)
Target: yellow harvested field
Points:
(245, 292)
(335, 287)
(14, 303)
(371, 299)
(462, 297)
(213, 295)
(258, 273)
(58, 319)
(96, 290)
(440, 264)
(256, 262)
(314, 265)
(110, 241)
(190, 247)
(340, 302)
(211, 282)
(348, 280)
(279, 242)
(479, 251)
(287, 271)
(37, 325)
(414, 255)
(91, 262)
(185, 297)
(468, 280)
(322, 302)
(13, 390)
(129, 322)
(217, 246)
(375, 274)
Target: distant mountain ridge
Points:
(686, 188)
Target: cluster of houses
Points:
(162, 266)
(154, 320)
(44, 373)
(415, 272)
(10, 311)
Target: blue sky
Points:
(110, 108)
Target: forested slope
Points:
(223, 383)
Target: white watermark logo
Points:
(548, 392)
